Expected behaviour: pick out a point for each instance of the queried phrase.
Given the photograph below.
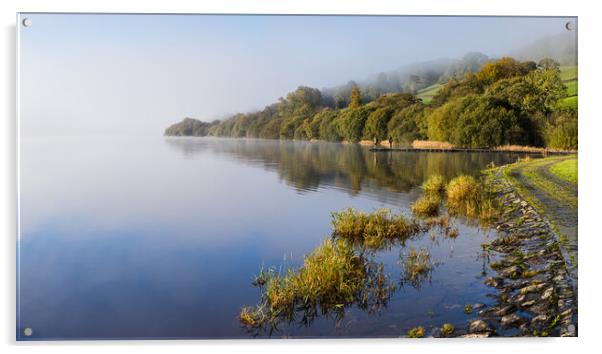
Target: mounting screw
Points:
(28, 331)
(27, 22)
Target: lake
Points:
(162, 237)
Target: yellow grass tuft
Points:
(427, 205)
(374, 230)
(416, 332)
(467, 196)
(434, 184)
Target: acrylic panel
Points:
(271, 176)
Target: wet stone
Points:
(477, 326)
(511, 272)
(531, 288)
(528, 303)
(539, 307)
(506, 310)
(570, 331)
(494, 282)
(547, 293)
(540, 318)
(436, 333)
(510, 320)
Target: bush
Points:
(562, 132)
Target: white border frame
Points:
(590, 126)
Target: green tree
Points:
(376, 124)
(562, 130)
(350, 123)
(356, 97)
(326, 122)
(404, 126)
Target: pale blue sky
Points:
(136, 74)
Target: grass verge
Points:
(566, 170)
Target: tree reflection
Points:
(307, 166)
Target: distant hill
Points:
(409, 79)
(561, 47)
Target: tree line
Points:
(505, 102)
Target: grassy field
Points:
(535, 177)
(427, 93)
(567, 170)
(568, 74)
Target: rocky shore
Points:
(534, 293)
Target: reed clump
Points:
(434, 184)
(374, 230)
(463, 189)
(427, 205)
(467, 196)
(332, 277)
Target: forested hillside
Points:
(505, 102)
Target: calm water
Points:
(161, 238)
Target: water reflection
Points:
(309, 166)
(160, 238)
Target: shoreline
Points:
(383, 146)
(535, 291)
(483, 150)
